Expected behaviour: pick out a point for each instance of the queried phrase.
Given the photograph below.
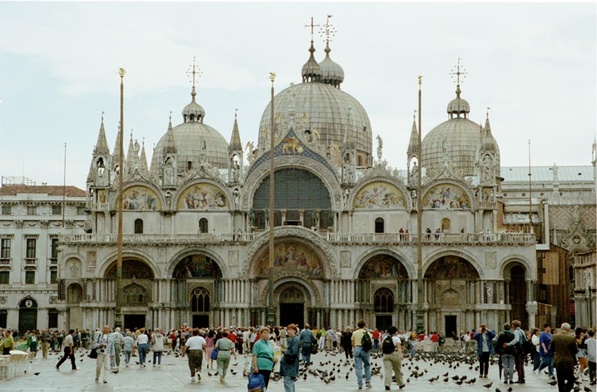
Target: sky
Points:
(533, 64)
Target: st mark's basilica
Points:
(196, 222)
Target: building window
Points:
(54, 251)
(31, 245)
(3, 318)
(383, 301)
(203, 226)
(29, 277)
(6, 210)
(200, 300)
(138, 226)
(56, 210)
(31, 210)
(4, 277)
(5, 248)
(52, 318)
(53, 276)
(379, 225)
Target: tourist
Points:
(519, 337)
(565, 349)
(289, 364)
(127, 347)
(361, 356)
(591, 353)
(142, 343)
(195, 346)
(535, 355)
(392, 361)
(210, 341)
(157, 346)
(306, 339)
(346, 342)
(580, 337)
(263, 356)
(507, 353)
(118, 340)
(546, 351)
(105, 351)
(8, 343)
(484, 348)
(226, 348)
(69, 351)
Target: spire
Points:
(143, 169)
(101, 146)
(132, 157)
(235, 143)
(169, 145)
(488, 143)
(311, 71)
(116, 154)
(413, 144)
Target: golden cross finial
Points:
(193, 72)
(327, 29)
(458, 72)
(312, 27)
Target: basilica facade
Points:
(196, 223)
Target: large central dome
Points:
(334, 116)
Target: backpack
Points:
(388, 347)
(528, 347)
(366, 343)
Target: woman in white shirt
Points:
(142, 344)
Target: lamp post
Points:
(271, 309)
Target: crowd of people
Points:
(566, 356)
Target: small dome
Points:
(193, 111)
(458, 106)
(311, 71)
(331, 72)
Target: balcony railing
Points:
(157, 239)
(433, 239)
(4, 262)
(336, 238)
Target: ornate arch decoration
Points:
(308, 239)
(321, 171)
(28, 302)
(384, 299)
(196, 263)
(202, 195)
(380, 191)
(135, 295)
(200, 298)
(138, 196)
(109, 262)
(132, 268)
(303, 284)
(73, 267)
(383, 264)
(448, 194)
(517, 260)
(453, 267)
(73, 288)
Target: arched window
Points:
(203, 225)
(379, 225)
(200, 300)
(383, 301)
(138, 226)
(445, 225)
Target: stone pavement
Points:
(174, 375)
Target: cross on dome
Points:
(458, 72)
(193, 72)
(312, 28)
(328, 30)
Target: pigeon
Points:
(553, 383)
(488, 385)
(36, 373)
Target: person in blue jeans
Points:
(361, 357)
(545, 351)
(305, 341)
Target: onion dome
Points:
(311, 71)
(331, 72)
(193, 111)
(458, 107)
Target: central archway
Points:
(292, 299)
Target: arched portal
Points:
(292, 299)
(137, 283)
(200, 307)
(27, 314)
(450, 294)
(517, 289)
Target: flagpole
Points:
(118, 310)
(64, 186)
(271, 311)
(420, 316)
